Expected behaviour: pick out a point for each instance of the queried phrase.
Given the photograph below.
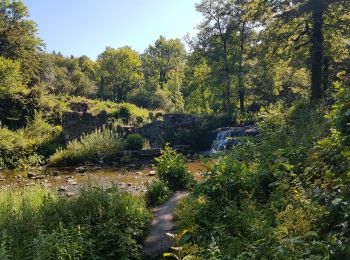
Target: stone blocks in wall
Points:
(75, 124)
(156, 131)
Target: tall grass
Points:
(37, 224)
(89, 148)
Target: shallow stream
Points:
(69, 181)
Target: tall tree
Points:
(120, 72)
(197, 91)
(288, 10)
(163, 66)
(18, 39)
(217, 29)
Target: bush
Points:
(125, 114)
(28, 146)
(134, 142)
(37, 224)
(91, 147)
(281, 194)
(173, 170)
(157, 193)
(54, 106)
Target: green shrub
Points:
(173, 170)
(53, 108)
(157, 193)
(28, 146)
(274, 196)
(90, 148)
(124, 114)
(37, 224)
(134, 142)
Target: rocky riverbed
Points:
(68, 181)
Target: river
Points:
(68, 181)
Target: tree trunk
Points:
(241, 90)
(326, 64)
(161, 78)
(227, 81)
(316, 55)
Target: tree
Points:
(17, 102)
(215, 39)
(69, 76)
(120, 72)
(198, 94)
(18, 39)
(11, 81)
(289, 10)
(163, 67)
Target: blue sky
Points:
(87, 26)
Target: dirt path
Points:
(157, 241)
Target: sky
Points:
(87, 27)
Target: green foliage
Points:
(134, 142)
(37, 224)
(90, 148)
(19, 40)
(11, 82)
(157, 193)
(163, 68)
(120, 71)
(53, 108)
(69, 76)
(17, 102)
(28, 146)
(282, 194)
(172, 169)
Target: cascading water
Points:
(225, 137)
(222, 140)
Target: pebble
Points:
(80, 169)
(62, 188)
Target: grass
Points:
(90, 147)
(54, 107)
(37, 224)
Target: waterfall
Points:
(225, 137)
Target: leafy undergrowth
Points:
(29, 146)
(53, 107)
(36, 224)
(284, 195)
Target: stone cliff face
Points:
(79, 122)
(157, 131)
(76, 123)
